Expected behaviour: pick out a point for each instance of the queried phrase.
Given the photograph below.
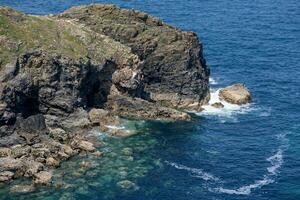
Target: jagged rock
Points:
(31, 167)
(22, 188)
(43, 178)
(6, 176)
(236, 94)
(4, 152)
(217, 105)
(52, 162)
(173, 67)
(33, 124)
(68, 150)
(86, 146)
(58, 134)
(139, 108)
(18, 151)
(97, 115)
(9, 163)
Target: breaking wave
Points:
(227, 111)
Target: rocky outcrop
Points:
(236, 94)
(174, 70)
(60, 75)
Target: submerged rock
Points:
(43, 178)
(22, 188)
(126, 184)
(236, 94)
(6, 176)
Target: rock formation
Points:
(235, 94)
(114, 62)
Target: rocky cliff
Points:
(77, 59)
(117, 62)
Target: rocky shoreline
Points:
(62, 75)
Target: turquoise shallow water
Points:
(237, 153)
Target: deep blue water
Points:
(249, 153)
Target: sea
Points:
(249, 152)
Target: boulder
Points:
(4, 152)
(217, 105)
(52, 162)
(6, 176)
(9, 163)
(32, 167)
(86, 146)
(43, 178)
(33, 124)
(97, 115)
(235, 94)
(18, 151)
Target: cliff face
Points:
(93, 56)
(173, 66)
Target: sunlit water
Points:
(250, 152)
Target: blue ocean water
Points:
(233, 154)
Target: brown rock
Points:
(43, 178)
(9, 163)
(86, 146)
(6, 176)
(4, 152)
(32, 167)
(19, 151)
(52, 162)
(97, 115)
(236, 94)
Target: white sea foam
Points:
(228, 110)
(199, 173)
(116, 127)
(212, 81)
(246, 190)
(276, 161)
